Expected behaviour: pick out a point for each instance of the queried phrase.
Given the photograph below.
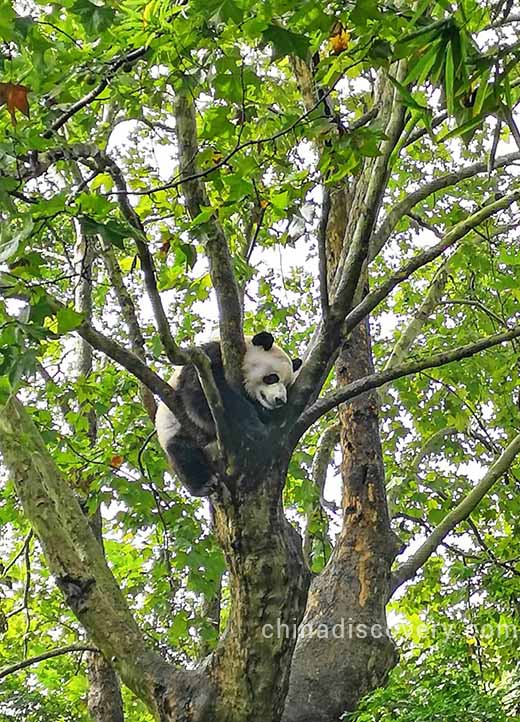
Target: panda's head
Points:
(268, 371)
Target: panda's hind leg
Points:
(191, 465)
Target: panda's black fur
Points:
(188, 437)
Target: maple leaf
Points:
(15, 98)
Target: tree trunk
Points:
(346, 650)
(268, 587)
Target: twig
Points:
(115, 65)
(400, 209)
(18, 554)
(372, 299)
(173, 352)
(216, 246)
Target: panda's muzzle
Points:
(272, 403)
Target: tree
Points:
(162, 158)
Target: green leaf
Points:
(407, 97)
(466, 127)
(449, 80)
(5, 390)
(285, 42)
(419, 70)
(203, 216)
(419, 39)
(482, 91)
(112, 231)
(68, 319)
(9, 244)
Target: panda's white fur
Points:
(188, 436)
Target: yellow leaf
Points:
(339, 39)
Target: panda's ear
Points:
(296, 364)
(263, 339)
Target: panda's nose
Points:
(279, 401)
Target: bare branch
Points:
(508, 115)
(410, 567)
(374, 381)
(431, 445)
(421, 132)
(221, 267)
(494, 146)
(202, 364)
(398, 211)
(475, 304)
(324, 345)
(326, 445)
(46, 655)
(129, 361)
(322, 253)
(424, 224)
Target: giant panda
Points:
(188, 436)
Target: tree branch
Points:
(220, 263)
(322, 253)
(114, 66)
(320, 465)
(398, 211)
(129, 314)
(372, 299)
(374, 381)
(414, 327)
(173, 352)
(324, 345)
(76, 560)
(45, 655)
(409, 568)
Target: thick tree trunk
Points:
(346, 651)
(268, 587)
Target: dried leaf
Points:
(15, 98)
(165, 248)
(339, 39)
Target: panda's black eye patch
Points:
(271, 379)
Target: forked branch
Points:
(399, 210)
(374, 381)
(374, 298)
